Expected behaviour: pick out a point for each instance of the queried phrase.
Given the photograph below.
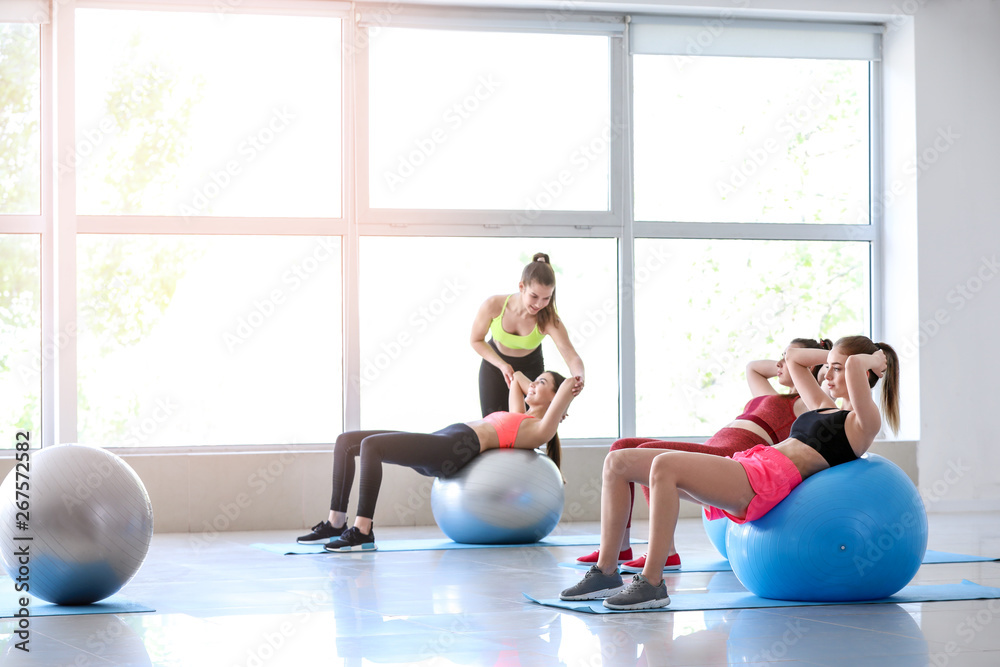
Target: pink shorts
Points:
(772, 477)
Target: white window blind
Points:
(25, 11)
(722, 36)
(552, 21)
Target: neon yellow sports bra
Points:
(513, 341)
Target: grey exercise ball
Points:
(508, 496)
(85, 524)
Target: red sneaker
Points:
(673, 563)
(592, 558)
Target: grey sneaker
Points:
(594, 586)
(640, 594)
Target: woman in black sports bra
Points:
(748, 485)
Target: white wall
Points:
(958, 95)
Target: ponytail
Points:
(890, 387)
(890, 381)
(553, 448)
(540, 271)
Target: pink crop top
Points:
(506, 424)
(775, 413)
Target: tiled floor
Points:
(220, 602)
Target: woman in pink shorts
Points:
(765, 420)
(744, 488)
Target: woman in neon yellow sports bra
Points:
(517, 323)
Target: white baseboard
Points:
(942, 506)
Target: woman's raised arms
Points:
(800, 361)
(546, 427)
(518, 390)
(865, 420)
(759, 373)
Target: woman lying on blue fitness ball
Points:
(439, 454)
(765, 420)
(746, 486)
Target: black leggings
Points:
(439, 454)
(493, 390)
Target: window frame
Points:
(59, 224)
(61, 425)
(41, 224)
(872, 232)
(436, 221)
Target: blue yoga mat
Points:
(704, 564)
(9, 605)
(432, 544)
(966, 590)
(931, 557)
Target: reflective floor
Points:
(221, 602)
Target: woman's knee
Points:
(663, 469)
(370, 446)
(611, 461)
(343, 443)
(618, 464)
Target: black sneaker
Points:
(353, 539)
(321, 533)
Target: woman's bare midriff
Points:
(488, 438)
(806, 459)
(748, 425)
(512, 352)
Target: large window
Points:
(418, 299)
(185, 338)
(722, 139)
(20, 149)
(284, 216)
(753, 172)
(20, 335)
(207, 114)
(706, 308)
(455, 115)
(21, 359)
(209, 340)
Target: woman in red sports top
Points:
(535, 410)
(766, 420)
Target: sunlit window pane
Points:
(706, 308)
(20, 337)
(419, 297)
(751, 140)
(20, 150)
(209, 341)
(489, 120)
(207, 114)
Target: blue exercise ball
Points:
(854, 532)
(510, 496)
(89, 521)
(716, 531)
